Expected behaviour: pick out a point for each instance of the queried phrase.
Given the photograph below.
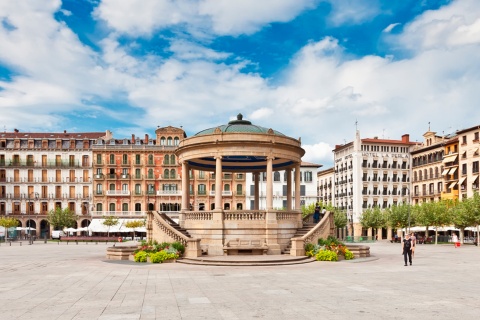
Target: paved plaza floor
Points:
(50, 281)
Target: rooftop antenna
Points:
(356, 124)
(428, 125)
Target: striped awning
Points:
(449, 159)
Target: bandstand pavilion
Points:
(238, 147)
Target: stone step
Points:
(244, 261)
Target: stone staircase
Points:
(175, 225)
(300, 232)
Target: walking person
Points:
(414, 242)
(407, 249)
(316, 214)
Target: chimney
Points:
(146, 139)
(16, 130)
(133, 138)
(376, 138)
(406, 138)
(64, 131)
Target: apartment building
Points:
(371, 172)
(134, 175)
(326, 187)
(428, 168)
(42, 171)
(469, 156)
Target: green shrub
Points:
(180, 247)
(326, 255)
(309, 247)
(140, 256)
(329, 241)
(348, 255)
(161, 256)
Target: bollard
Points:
(20, 244)
(10, 243)
(96, 242)
(76, 242)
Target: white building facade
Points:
(369, 173)
(308, 187)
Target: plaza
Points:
(60, 281)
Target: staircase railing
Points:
(166, 232)
(323, 229)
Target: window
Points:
(162, 141)
(111, 207)
(475, 167)
(308, 176)
(99, 159)
(124, 207)
(464, 139)
(169, 141)
(166, 174)
(112, 159)
(202, 189)
(239, 189)
(226, 187)
(276, 176)
(176, 141)
(475, 136)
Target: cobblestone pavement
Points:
(50, 281)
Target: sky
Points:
(311, 69)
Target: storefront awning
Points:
(452, 185)
(461, 181)
(452, 171)
(449, 159)
(445, 172)
(98, 226)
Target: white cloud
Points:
(221, 17)
(454, 25)
(352, 12)
(390, 27)
(248, 16)
(319, 153)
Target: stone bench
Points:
(241, 246)
(121, 252)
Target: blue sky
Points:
(307, 68)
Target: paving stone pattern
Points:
(50, 281)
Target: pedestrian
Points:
(413, 238)
(454, 239)
(322, 214)
(316, 214)
(407, 249)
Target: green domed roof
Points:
(240, 126)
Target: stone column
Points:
(379, 234)
(288, 172)
(218, 183)
(389, 234)
(185, 193)
(297, 188)
(269, 192)
(256, 199)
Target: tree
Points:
(441, 215)
(464, 214)
(339, 218)
(7, 223)
(110, 222)
(61, 218)
(373, 218)
(399, 216)
(135, 224)
(424, 214)
(306, 210)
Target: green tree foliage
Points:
(135, 224)
(464, 214)
(306, 210)
(61, 218)
(373, 218)
(7, 223)
(398, 216)
(110, 222)
(339, 218)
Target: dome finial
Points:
(239, 116)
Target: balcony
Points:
(169, 193)
(111, 176)
(118, 192)
(118, 214)
(125, 176)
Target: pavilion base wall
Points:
(215, 234)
